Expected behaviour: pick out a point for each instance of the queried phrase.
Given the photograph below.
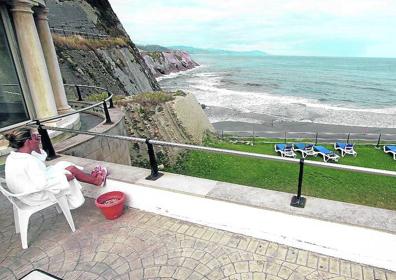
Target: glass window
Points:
(12, 104)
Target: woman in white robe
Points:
(26, 171)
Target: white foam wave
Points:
(206, 87)
(181, 73)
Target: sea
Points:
(324, 90)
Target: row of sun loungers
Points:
(289, 150)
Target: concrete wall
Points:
(100, 148)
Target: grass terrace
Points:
(357, 188)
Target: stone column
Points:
(33, 59)
(52, 62)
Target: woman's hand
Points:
(69, 177)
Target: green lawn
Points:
(358, 188)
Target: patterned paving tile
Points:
(141, 245)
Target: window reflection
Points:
(12, 104)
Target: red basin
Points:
(111, 204)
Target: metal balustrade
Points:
(297, 201)
(314, 137)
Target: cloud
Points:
(278, 27)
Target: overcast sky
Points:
(279, 27)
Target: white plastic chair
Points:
(22, 211)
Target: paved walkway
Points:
(141, 245)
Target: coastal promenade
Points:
(141, 245)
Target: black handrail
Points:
(297, 201)
(103, 103)
(284, 136)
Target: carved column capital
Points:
(41, 13)
(22, 6)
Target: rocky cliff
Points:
(79, 28)
(166, 62)
(94, 49)
(175, 117)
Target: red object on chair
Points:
(111, 204)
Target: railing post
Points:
(378, 142)
(316, 138)
(285, 137)
(349, 134)
(111, 99)
(298, 200)
(78, 93)
(254, 136)
(46, 142)
(106, 111)
(153, 163)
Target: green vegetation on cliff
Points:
(147, 99)
(82, 43)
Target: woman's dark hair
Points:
(18, 137)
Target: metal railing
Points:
(103, 103)
(80, 98)
(314, 137)
(46, 141)
(297, 200)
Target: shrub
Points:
(148, 99)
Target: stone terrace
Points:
(141, 245)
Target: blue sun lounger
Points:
(390, 149)
(326, 153)
(345, 149)
(285, 150)
(305, 149)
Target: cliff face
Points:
(94, 49)
(164, 116)
(119, 67)
(163, 63)
(114, 68)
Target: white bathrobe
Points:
(28, 172)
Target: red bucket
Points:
(111, 204)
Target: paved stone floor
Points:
(141, 245)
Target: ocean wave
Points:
(291, 108)
(208, 87)
(181, 73)
(228, 82)
(253, 84)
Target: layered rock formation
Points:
(166, 62)
(175, 117)
(94, 49)
(120, 68)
